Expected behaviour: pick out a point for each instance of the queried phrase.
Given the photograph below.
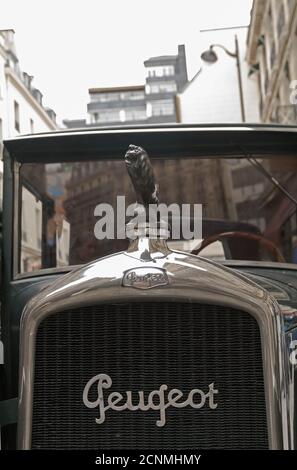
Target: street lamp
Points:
(211, 57)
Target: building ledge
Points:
(118, 104)
(164, 78)
(117, 89)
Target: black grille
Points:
(142, 346)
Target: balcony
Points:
(118, 104)
(287, 114)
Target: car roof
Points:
(174, 140)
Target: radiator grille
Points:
(142, 346)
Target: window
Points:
(31, 126)
(152, 72)
(154, 89)
(272, 54)
(266, 82)
(16, 116)
(287, 71)
(162, 108)
(104, 97)
(168, 87)
(38, 218)
(160, 87)
(169, 70)
(133, 95)
(135, 114)
(292, 4)
(161, 71)
(281, 20)
(109, 116)
(24, 236)
(122, 115)
(112, 96)
(263, 66)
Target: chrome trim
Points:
(291, 392)
(160, 128)
(259, 264)
(46, 272)
(230, 264)
(190, 279)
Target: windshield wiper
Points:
(270, 177)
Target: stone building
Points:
(272, 57)
(22, 110)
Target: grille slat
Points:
(142, 346)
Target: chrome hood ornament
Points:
(150, 242)
(141, 173)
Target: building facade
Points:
(151, 103)
(22, 112)
(272, 57)
(166, 76)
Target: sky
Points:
(70, 46)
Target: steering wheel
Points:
(269, 245)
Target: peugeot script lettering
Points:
(157, 400)
(145, 278)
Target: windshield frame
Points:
(178, 139)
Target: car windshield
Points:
(248, 208)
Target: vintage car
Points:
(160, 341)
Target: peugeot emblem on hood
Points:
(145, 278)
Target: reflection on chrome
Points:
(237, 199)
